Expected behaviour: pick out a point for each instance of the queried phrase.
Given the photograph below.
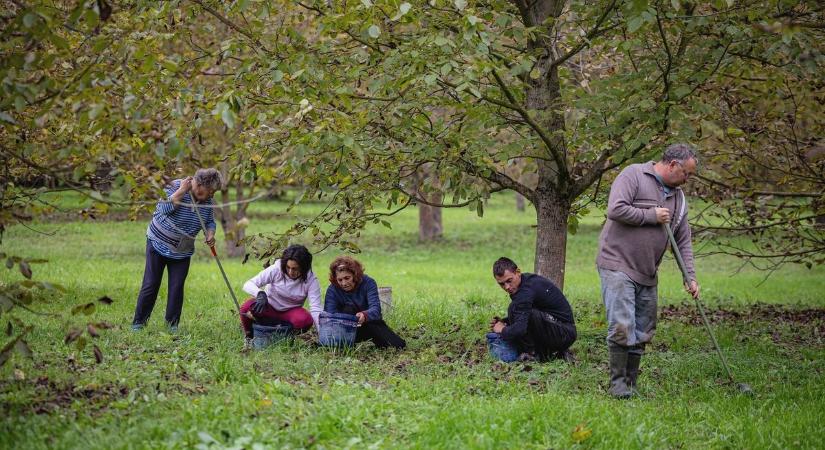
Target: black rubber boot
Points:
(618, 373)
(633, 361)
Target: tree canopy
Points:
(351, 99)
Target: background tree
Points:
(351, 98)
(765, 151)
(576, 89)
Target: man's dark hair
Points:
(503, 265)
(300, 255)
(679, 152)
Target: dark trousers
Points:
(152, 276)
(375, 330)
(546, 335)
(380, 334)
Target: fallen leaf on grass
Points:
(580, 433)
(73, 334)
(85, 309)
(25, 269)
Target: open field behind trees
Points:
(156, 390)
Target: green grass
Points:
(156, 390)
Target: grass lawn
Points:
(194, 389)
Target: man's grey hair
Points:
(679, 152)
(209, 178)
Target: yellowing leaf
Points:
(581, 433)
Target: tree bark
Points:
(429, 217)
(232, 238)
(519, 202)
(551, 237)
(429, 223)
(233, 230)
(552, 197)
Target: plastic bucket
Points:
(337, 330)
(500, 349)
(264, 335)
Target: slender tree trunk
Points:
(551, 238)
(232, 249)
(429, 223)
(519, 202)
(429, 217)
(233, 230)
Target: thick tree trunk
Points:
(553, 197)
(551, 238)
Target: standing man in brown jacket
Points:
(643, 199)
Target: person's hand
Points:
(494, 321)
(210, 239)
(498, 327)
(692, 288)
(362, 317)
(260, 302)
(662, 215)
(186, 184)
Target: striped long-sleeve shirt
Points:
(169, 220)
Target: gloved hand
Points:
(260, 302)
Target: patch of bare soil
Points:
(53, 396)
(789, 328)
(760, 312)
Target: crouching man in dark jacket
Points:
(539, 323)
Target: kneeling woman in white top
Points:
(280, 291)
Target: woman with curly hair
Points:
(351, 291)
(280, 291)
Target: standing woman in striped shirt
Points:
(170, 242)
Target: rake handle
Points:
(220, 266)
(681, 263)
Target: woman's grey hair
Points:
(209, 178)
(679, 152)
